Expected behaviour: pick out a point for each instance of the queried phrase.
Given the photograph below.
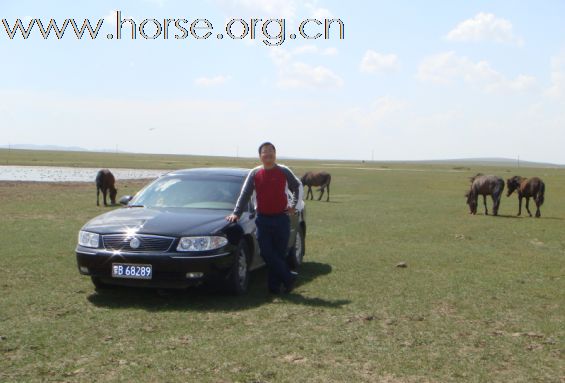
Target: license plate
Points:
(127, 270)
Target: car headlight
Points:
(88, 239)
(201, 243)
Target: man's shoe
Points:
(287, 289)
(274, 291)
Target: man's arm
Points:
(293, 185)
(246, 193)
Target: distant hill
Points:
(46, 147)
(494, 161)
(56, 148)
(481, 161)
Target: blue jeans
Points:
(273, 233)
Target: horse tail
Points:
(541, 194)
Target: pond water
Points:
(67, 174)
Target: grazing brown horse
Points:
(105, 182)
(322, 179)
(526, 188)
(485, 185)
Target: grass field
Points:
(481, 299)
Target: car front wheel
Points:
(238, 278)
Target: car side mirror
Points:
(125, 199)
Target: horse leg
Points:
(519, 205)
(528, 205)
(495, 203)
(328, 199)
(321, 193)
(97, 196)
(485, 203)
(104, 191)
(309, 192)
(538, 213)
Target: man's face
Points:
(268, 155)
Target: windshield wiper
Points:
(136, 205)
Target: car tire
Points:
(296, 253)
(238, 276)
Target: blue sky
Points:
(410, 81)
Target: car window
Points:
(191, 192)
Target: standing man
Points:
(270, 182)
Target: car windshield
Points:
(191, 192)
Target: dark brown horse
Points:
(485, 185)
(322, 179)
(105, 182)
(526, 188)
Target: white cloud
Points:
(330, 51)
(384, 109)
(557, 87)
(313, 49)
(296, 74)
(301, 75)
(447, 68)
(321, 13)
(211, 81)
(316, 11)
(305, 49)
(484, 27)
(374, 62)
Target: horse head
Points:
(471, 201)
(513, 184)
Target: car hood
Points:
(160, 221)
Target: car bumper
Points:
(169, 270)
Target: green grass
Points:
(480, 301)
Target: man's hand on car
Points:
(232, 218)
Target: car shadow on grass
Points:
(211, 298)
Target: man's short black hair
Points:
(265, 144)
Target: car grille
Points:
(147, 243)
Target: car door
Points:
(256, 260)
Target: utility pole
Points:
(518, 161)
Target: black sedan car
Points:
(173, 234)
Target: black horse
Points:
(526, 188)
(105, 182)
(322, 179)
